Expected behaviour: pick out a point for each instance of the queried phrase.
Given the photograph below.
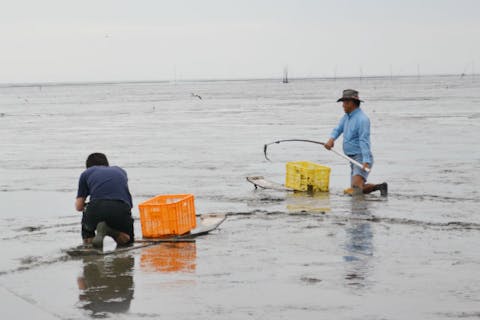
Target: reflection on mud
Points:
(318, 202)
(170, 257)
(106, 285)
(358, 245)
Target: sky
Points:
(143, 40)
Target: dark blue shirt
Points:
(101, 182)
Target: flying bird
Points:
(196, 96)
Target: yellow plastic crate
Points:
(307, 176)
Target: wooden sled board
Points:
(260, 181)
(205, 224)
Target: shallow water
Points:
(279, 255)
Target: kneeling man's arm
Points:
(80, 204)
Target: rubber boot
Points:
(102, 230)
(383, 187)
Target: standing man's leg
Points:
(360, 187)
(358, 182)
(359, 179)
(382, 187)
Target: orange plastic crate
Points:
(163, 215)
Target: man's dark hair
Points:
(97, 159)
(357, 102)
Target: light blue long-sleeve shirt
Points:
(355, 127)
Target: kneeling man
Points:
(109, 210)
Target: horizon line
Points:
(107, 82)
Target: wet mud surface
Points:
(266, 265)
(279, 255)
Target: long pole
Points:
(353, 161)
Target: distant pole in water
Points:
(471, 65)
(285, 75)
(473, 69)
(175, 74)
(361, 73)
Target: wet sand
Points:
(279, 255)
(272, 265)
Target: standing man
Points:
(355, 127)
(109, 209)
